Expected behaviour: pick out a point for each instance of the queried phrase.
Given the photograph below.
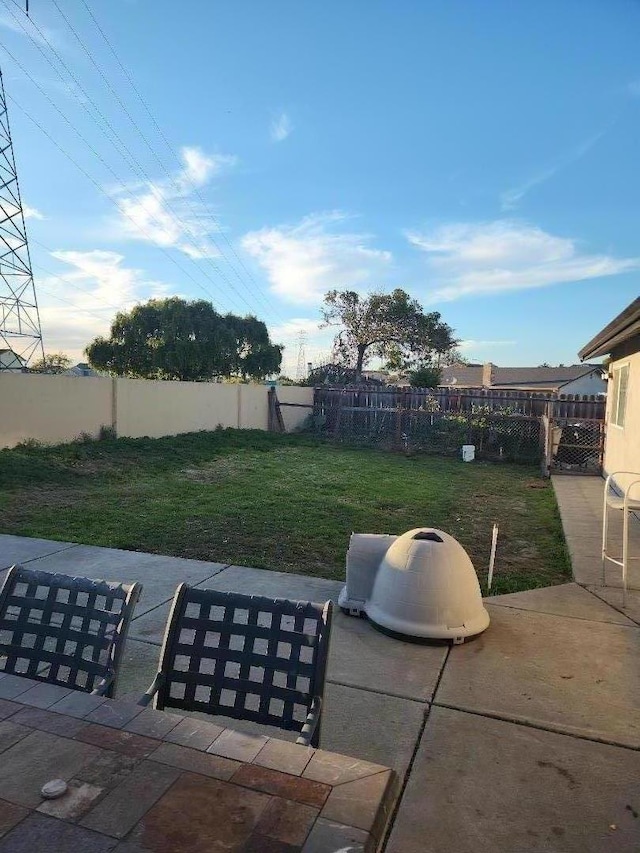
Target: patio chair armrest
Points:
(151, 691)
(311, 723)
(104, 685)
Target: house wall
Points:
(622, 449)
(56, 408)
(592, 383)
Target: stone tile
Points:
(567, 599)
(130, 847)
(327, 835)
(286, 757)
(40, 832)
(361, 656)
(36, 759)
(108, 769)
(43, 695)
(196, 761)
(78, 704)
(23, 549)
(121, 810)
(237, 745)
(263, 844)
(197, 734)
(153, 723)
(128, 743)
(115, 713)
(492, 785)
(10, 815)
(158, 574)
(13, 686)
(332, 769)
(286, 821)
(282, 785)
(74, 804)
(11, 733)
(198, 815)
(8, 708)
(46, 721)
(377, 728)
(361, 803)
(564, 674)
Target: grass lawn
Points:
(279, 502)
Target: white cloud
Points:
(12, 22)
(164, 212)
(303, 261)
(317, 342)
(471, 344)
(31, 212)
(97, 285)
(513, 196)
(489, 258)
(281, 127)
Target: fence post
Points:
(399, 412)
(114, 405)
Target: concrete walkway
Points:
(524, 739)
(580, 501)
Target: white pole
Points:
(492, 558)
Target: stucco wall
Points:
(52, 409)
(55, 409)
(592, 383)
(622, 449)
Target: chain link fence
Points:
(512, 438)
(564, 436)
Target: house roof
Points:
(623, 327)
(544, 378)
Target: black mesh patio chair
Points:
(246, 657)
(64, 630)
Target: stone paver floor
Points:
(524, 739)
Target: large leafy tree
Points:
(176, 339)
(392, 326)
(53, 362)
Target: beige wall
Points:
(56, 409)
(622, 449)
(51, 409)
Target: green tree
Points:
(392, 326)
(53, 362)
(176, 339)
(425, 376)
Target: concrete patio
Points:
(524, 739)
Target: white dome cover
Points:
(426, 587)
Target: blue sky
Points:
(481, 155)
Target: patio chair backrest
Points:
(244, 656)
(64, 630)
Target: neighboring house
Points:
(621, 341)
(9, 360)
(81, 369)
(574, 379)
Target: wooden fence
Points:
(533, 404)
(500, 424)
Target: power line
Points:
(97, 185)
(128, 156)
(171, 149)
(137, 128)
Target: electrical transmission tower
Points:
(20, 331)
(301, 369)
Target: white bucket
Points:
(468, 452)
